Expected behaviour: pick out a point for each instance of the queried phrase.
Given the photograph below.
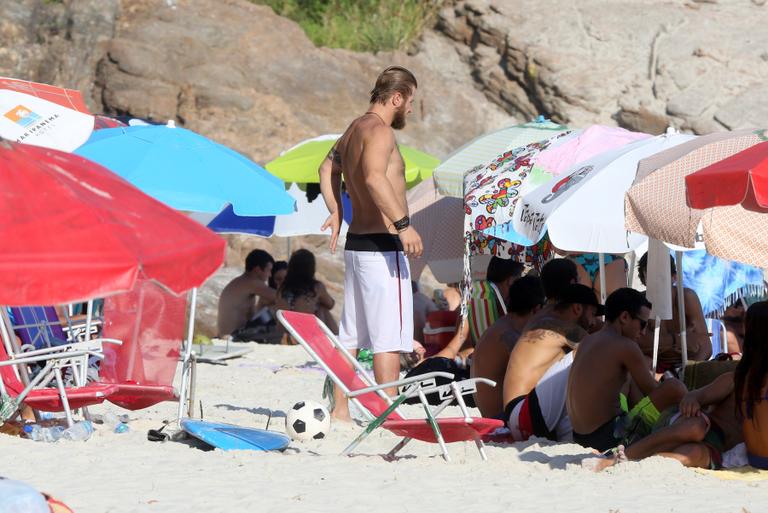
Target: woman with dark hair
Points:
(301, 292)
(751, 385)
(279, 270)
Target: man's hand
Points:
(690, 406)
(411, 240)
(334, 223)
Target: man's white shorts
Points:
(378, 302)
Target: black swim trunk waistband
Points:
(511, 406)
(373, 242)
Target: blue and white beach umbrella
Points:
(188, 171)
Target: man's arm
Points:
(632, 358)
(330, 187)
(713, 393)
(697, 336)
(265, 292)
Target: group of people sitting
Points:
(248, 303)
(565, 375)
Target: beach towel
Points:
(718, 282)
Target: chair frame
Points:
(414, 386)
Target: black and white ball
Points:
(307, 420)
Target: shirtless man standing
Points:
(489, 360)
(378, 312)
(546, 341)
(600, 371)
(237, 303)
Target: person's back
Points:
(489, 360)
(238, 300)
(547, 339)
(363, 133)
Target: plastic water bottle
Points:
(39, 433)
(80, 431)
(115, 423)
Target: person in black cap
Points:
(546, 340)
(600, 418)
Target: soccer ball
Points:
(307, 420)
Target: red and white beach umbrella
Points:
(43, 115)
(72, 230)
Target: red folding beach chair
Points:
(150, 322)
(35, 394)
(357, 385)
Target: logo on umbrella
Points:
(566, 183)
(22, 115)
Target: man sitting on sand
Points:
(241, 304)
(696, 434)
(545, 341)
(697, 336)
(599, 374)
(526, 296)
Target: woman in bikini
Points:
(588, 267)
(751, 385)
(301, 292)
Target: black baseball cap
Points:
(577, 294)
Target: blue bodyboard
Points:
(229, 437)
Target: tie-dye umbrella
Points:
(718, 282)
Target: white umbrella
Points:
(584, 210)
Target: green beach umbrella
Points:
(299, 164)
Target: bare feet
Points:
(602, 461)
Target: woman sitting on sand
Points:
(751, 385)
(301, 292)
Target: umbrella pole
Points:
(631, 273)
(287, 248)
(656, 335)
(601, 259)
(681, 310)
(185, 365)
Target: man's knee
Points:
(691, 429)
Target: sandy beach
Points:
(122, 473)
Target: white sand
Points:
(126, 473)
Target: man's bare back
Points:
(489, 360)
(544, 342)
(238, 302)
(351, 147)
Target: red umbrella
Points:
(741, 179)
(72, 230)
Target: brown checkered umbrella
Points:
(656, 204)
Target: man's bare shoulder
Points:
(543, 327)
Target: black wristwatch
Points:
(402, 224)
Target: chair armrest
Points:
(89, 345)
(45, 357)
(401, 382)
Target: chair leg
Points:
(481, 447)
(378, 421)
(402, 443)
(435, 428)
(63, 395)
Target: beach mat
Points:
(737, 474)
(209, 353)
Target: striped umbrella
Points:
(449, 175)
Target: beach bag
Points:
(440, 364)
